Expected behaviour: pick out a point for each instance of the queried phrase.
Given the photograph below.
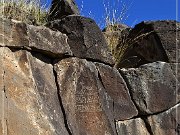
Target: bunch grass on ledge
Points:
(28, 11)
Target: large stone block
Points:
(83, 98)
(118, 96)
(46, 41)
(162, 39)
(150, 42)
(153, 87)
(132, 127)
(84, 37)
(16, 34)
(166, 123)
(29, 99)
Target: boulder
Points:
(166, 123)
(29, 99)
(165, 38)
(117, 93)
(84, 98)
(153, 87)
(48, 42)
(152, 41)
(62, 8)
(19, 35)
(132, 127)
(84, 37)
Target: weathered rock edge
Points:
(23, 64)
(19, 35)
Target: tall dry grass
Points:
(28, 11)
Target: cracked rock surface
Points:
(80, 31)
(152, 86)
(29, 100)
(64, 83)
(82, 96)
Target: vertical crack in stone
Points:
(61, 104)
(4, 98)
(100, 79)
(148, 126)
(129, 91)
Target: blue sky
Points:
(139, 10)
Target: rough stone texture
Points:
(152, 86)
(163, 36)
(41, 39)
(176, 70)
(84, 37)
(166, 123)
(13, 33)
(62, 8)
(84, 98)
(117, 92)
(153, 41)
(29, 99)
(78, 97)
(132, 127)
(47, 41)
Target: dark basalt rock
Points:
(118, 96)
(153, 41)
(29, 99)
(62, 8)
(84, 98)
(15, 34)
(153, 87)
(166, 123)
(84, 38)
(164, 35)
(132, 127)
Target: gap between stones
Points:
(58, 91)
(148, 126)
(4, 96)
(50, 55)
(61, 103)
(129, 90)
(143, 117)
(100, 79)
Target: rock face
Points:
(29, 100)
(152, 41)
(164, 36)
(62, 8)
(82, 96)
(40, 39)
(63, 82)
(166, 123)
(117, 93)
(153, 87)
(134, 126)
(80, 31)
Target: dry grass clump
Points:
(125, 45)
(116, 14)
(28, 11)
(116, 33)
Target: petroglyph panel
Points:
(82, 96)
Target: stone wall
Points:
(61, 81)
